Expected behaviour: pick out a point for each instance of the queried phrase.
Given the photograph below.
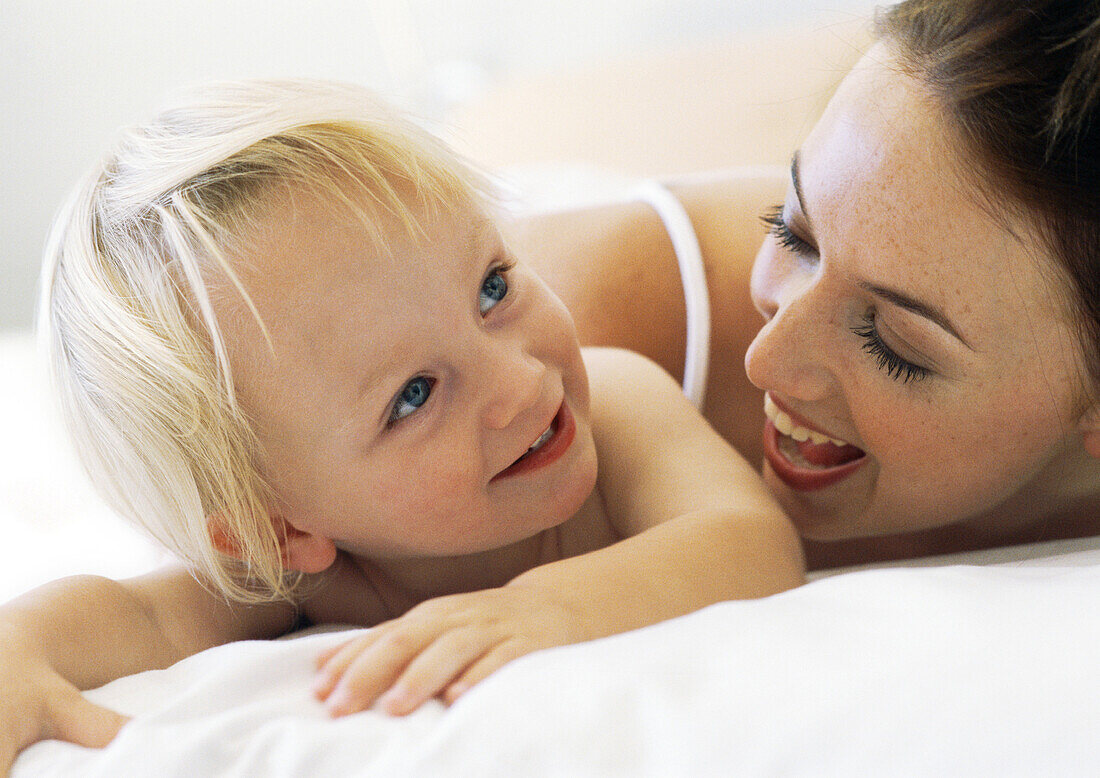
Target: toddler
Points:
(292, 345)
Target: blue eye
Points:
(414, 395)
(493, 289)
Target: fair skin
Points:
(399, 393)
(988, 439)
(400, 389)
(906, 319)
(998, 444)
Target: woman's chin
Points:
(823, 515)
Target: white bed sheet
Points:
(957, 670)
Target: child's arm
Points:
(700, 527)
(81, 632)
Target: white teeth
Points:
(786, 426)
(542, 439)
(539, 443)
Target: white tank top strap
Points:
(694, 279)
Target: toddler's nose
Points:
(512, 385)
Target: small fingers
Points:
(334, 662)
(433, 669)
(483, 668)
(372, 670)
(323, 658)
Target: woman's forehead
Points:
(889, 199)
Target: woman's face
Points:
(927, 336)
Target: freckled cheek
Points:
(899, 438)
(935, 447)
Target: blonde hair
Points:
(135, 349)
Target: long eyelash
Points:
(773, 220)
(895, 366)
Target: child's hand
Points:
(38, 704)
(442, 647)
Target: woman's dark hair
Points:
(1020, 82)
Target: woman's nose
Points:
(513, 383)
(788, 354)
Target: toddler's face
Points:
(402, 386)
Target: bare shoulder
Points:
(614, 269)
(636, 405)
(659, 457)
(725, 209)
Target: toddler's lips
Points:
(806, 466)
(546, 450)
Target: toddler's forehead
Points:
(399, 214)
(304, 244)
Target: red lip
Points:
(801, 478)
(565, 430)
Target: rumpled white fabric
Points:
(956, 670)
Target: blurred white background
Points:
(72, 71)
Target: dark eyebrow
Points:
(933, 315)
(929, 312)
(797, 181)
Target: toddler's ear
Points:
(220, 537)
(304, 552)
(301, 551)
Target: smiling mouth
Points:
(803, 458)
(540, 441)
(547, 448)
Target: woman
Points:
(930, 288)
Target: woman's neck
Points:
(1061, 501)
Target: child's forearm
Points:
(676, 568)
(447, 645)
(91, 630)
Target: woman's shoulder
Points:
(614, 267)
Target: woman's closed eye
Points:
(494, 288)
(410, 399)
(781, 231)
(896, 366)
